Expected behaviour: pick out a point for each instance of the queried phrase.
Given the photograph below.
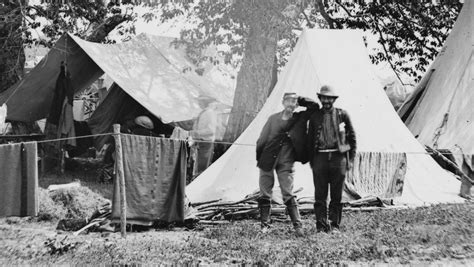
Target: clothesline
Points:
(216, 142)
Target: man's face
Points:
(290, 104)
(327, 101)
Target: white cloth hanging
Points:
(3, 117)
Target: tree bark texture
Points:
(255, 79)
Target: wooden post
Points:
(43, 160)
(458, 170)
(120, 179)
(62, 159)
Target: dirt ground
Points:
(436, 235)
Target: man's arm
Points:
(308, 103)
(262, 140)
(310, 138)
(350, 136)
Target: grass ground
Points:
(439, 234)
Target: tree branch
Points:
(330, 21)
(101, 31)
(387, 55)
(347, 11)
(405, 19)
(310, 24)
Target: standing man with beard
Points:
(332, 148)
(281, 143)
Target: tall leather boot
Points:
(265, 207)
(292, 208)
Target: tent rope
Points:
(224, 143)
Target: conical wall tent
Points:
(441, 110)
(339, 58)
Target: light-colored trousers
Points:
(284, 167)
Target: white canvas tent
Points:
(440, 112)
(339, 58)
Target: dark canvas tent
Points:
(147, 68)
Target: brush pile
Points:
(217, 210)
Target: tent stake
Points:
(120, 178)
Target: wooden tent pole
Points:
(450, 164)
(120, 179)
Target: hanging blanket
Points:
(155, 178)
(19, 180)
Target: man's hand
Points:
(350, 165)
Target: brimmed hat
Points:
(145, 122)
(327, 90)
(290, 95)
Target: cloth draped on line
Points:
(63, 91)
(19, 179)
(66, 124)
(155, 179)
(179, 133)
(3, 117)
(60, 121)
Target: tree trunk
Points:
(12, 55)
(322, 10)
(256, 77)
(253, 81)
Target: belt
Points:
(328, 150)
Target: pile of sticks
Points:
(218, 212)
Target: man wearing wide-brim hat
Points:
(280, 144)
(331, 141)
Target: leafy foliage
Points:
(25, 25)
(75, 16)
(228, 24)
(410, 32)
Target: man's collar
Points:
(283, 112)
(328, 110)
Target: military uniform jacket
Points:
(346, 136)
(268, 150)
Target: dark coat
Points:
(62, 90)
(346, 143)
(268, 150)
